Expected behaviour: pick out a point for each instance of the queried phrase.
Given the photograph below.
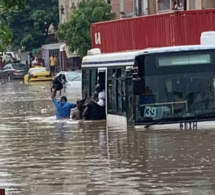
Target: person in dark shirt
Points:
(58, 83)
(93, 111)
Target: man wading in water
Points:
(63, 107)
(77, 112)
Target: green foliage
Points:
(76, 33)
(12, 4)
(5, 36)
(30, 25)
(5, 33)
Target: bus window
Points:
(119, 90)
(109, 98)
(116, 91)
(93, 79)
(123, 97)
(114, 96)
(85, 82)
(178, 85)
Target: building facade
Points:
(163, 6)
(66, 7)
(134, 8)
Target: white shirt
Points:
(101, 101)
(102, 94)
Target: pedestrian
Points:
(101, 94)
(58, 83)
(1, 63)
(63, 107)
(78, 111)
(43, 63)
(93, 111)
(56, 64)
(35, 62)
(52, 64)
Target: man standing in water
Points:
(63, 107)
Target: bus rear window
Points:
(184, 60)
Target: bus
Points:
(168, 87)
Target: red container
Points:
(178, 28)
(2, 192)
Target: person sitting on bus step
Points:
(93, 111)
(101, 94)
(78, 111)
(63, 107)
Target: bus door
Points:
(102, 80)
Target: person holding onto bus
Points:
(78, 111)
(101, 94)
(93, 111)
(63, 108)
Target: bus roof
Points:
(126, 58)
(110, 59)
(177, 49)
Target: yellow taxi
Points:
(38, 73)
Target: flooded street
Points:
(40, 155)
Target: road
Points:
(39, 155)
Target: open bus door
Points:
(102, 78)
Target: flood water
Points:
(42, 156)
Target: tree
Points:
(76, 32)
(30, 25)
(5, 36)
(11, 4)
(5, 33)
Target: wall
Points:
(68, 6)
(179, 28)
(128, 6)
(208, 4)
(198, 4)
(191, 5)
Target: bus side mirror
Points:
(138, 86)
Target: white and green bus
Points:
(169, 87)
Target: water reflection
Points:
(40, 155)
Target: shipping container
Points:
(178, 28)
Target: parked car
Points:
(14, 71)
(38, 74)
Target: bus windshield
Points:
(176, 86)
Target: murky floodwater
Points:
(39, 155)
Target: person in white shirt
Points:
(101, 95)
